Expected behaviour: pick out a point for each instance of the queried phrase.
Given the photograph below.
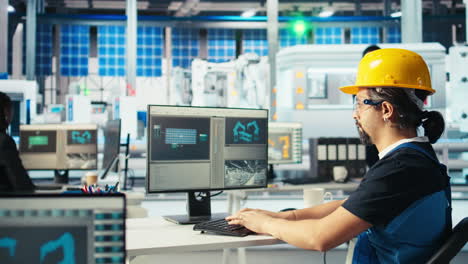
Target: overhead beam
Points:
(4, 39)
(272, 37)
(31, 39)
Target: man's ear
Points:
(387, 110)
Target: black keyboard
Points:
(222, 227)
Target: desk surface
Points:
(349, 186)
(148, 236)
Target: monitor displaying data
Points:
(201, 148)
(62, 229)
(284, 143)
(38, 141)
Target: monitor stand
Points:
(61, 176)
(199, 210)
(271, 173)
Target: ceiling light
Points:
(11, 9)
(396, 14)
(249, 13)
(326, 13)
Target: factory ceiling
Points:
(187, 8)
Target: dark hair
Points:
(408, 115)
(370, 49)
(5, 109)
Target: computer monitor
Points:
(57, 228)
(81, 146)
(59, 147)
(38, 147)
(111, 146)
(284, 143)
(201, 149)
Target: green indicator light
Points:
(299, 27)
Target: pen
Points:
(115, 187)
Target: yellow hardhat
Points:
(391, 68)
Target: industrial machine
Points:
(308, 77)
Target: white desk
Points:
(149, 236)
(235, 197)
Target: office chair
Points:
(453, 244)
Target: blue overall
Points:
(406, 238)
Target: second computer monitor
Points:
(201, 148)
(284, 143)
(111, 143)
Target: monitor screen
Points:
(284, 143)
(81, 136)
(81, 148)
(62, 229)
(38, 141)
(202, 149)
(111, 143)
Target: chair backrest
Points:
(453, 244)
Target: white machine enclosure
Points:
(125, 108)
(25, 92)
(457, 87)
(78, 108)
(308, 78)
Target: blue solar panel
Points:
(255, 41)
(111, 50)
(288, 38)
(329, 35)
(150, 46)
(44, 50)
(365, 35)
(185, 46)
(74, 50)
(394, 35)
(221, 45)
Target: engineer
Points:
(401, 210)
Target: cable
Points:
(208, 194)
(324, 257)
(218, 193)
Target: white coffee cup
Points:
(339, 173)
(313, 196)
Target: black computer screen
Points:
(54, 244)
(111, 143)
(58, 228)
(40, 141)
(180, 138)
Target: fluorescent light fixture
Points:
(11, 9)
(249, 13)
(326, 13)
(396, 14)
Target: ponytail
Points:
(433, 124)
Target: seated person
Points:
(401, 211)
(13, 176)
